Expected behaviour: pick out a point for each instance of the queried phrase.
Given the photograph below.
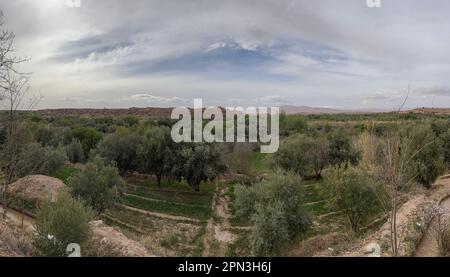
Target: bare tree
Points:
(395, 155)
(13, 91)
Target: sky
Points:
(321, 53)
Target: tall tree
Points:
(156, 152)
(199, 162)
(98, 185)
(121, 148)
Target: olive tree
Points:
(99, 185)
(270, 231)
(275, 207)
(36, 159)
(303, 155)
(88, 137)
(120, 148)
(355, 193)
(198, 162)
(156, 152)
(340, 149)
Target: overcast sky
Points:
(326, 53)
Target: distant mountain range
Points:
(165, 112)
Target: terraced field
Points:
(169, 220)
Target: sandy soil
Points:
(122, 246)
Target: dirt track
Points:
(17, 217)
(428, 246)
(217, 236)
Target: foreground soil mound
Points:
(36, 187)
(113, 243)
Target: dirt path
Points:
(428, 246)
(17, 217)
(217, 236)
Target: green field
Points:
(172, 208)
(64, 173)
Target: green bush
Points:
(74, 151)
(51, 136)
(355, 193)
(120, 148)
(36, 159)
(293, 154)
(280, 196)
(303, 154)
(291, 124)
(59, 224)
(88, 137)
(425, 154)
(445, 139)
(98, 185)
(271, 230)
(340, 149)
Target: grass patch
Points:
(64, 173)
(172, 208)
(319, 208)
(260, 162)
(205, 187)
(203, 199)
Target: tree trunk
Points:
(158, 177)
(197, 187)
(394, 226)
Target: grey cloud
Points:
(153, 98)
(322, 51)
(433, 91)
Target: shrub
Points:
(36, 159)
(303, 155)
(54, 159)
(355, 193)
(74, 151)
(98, 185)
(445, 138)
(425, 152)
(238, 161)
(270, 230)
(88, 137)
(120, 148)
(293, 155)
(59, 224)
(50, 136)
(340, 149)
(291, 124)
(279, 199)
(444, 238)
